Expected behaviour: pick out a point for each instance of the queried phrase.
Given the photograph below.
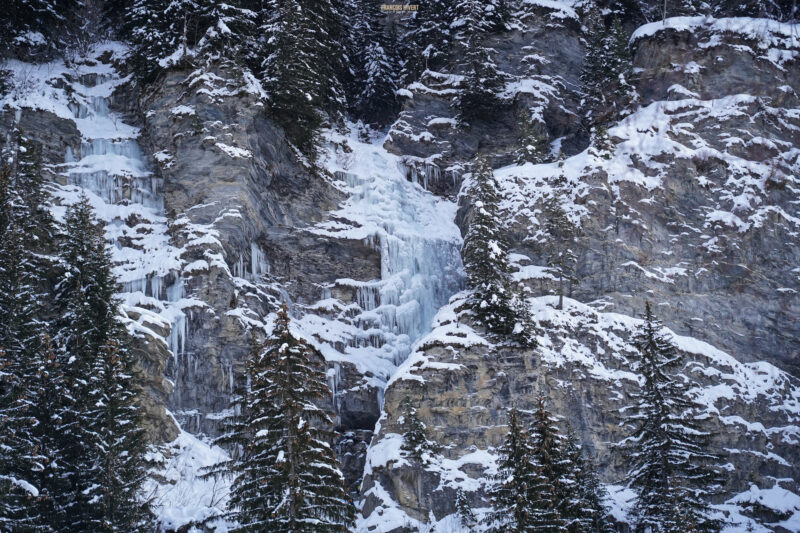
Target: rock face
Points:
(463, 385)
(683, 209)
(693, 205)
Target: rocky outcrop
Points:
(463, 385)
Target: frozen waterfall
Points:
(110, 169)
(419, 246)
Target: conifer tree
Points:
(18, 342)
(552, 467)
(465, 513)
(485, 255)
(561, 232)
(31, 387)
(160, 30)
(517, 477)
(426, 44)
(670, 465)
(285, 475)
(415, 439)
(581, 502)
(374, 59)
(303, 65)
(532, 145)
(33, 210)
(606, 71)
(483, 82)
(49, 396)
(34, 29)
(92, 345)
(119, 469)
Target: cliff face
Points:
(693, 206)
(684, 209)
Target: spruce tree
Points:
(119, 470)
(606, 72)
(483, 83)
(485, 255)
(19, 460)
(561, 233)
(581, 503)
(374, 59)
(286, 477)
(532, 145)
(160, 31)
(415, 439)
(670, 465)
(49, 397)
(31, 388)
(303, 65)
(92, 350)
(517, 477)
(426, 44)
(464, 509)
(552, 467)
(34, 29)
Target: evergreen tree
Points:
(31, 386)
(229, 31)
(19, 459)
(581, 503)
(160, 31)
(465, 513)
(426, 45)
(286, 476)
(552, 466)
(606, 71)
(561, 232)
(303, 67)
(33, 211)
(49, 397)
(517, 478)
(415, 440)
(91, 341)
(485, 255)
(119, 470)
(483, 82)
(532, 145)
(374, 59)
(34, 29)
(670, 465)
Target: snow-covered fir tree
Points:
(671, 467)
(550, 494)
(286, 477)
(92, 343)
(606, 71)
(426, 44)
(375, 64)
(416, 443)
(522, 497)
(582, 497)
(533, 146)
(496, 304)
(304, 61)
(464, 509)
(483, 83)
(561, 233)
(19, 341)
(35, 28)
(485, 254)
(119, 469)
(161, 32)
